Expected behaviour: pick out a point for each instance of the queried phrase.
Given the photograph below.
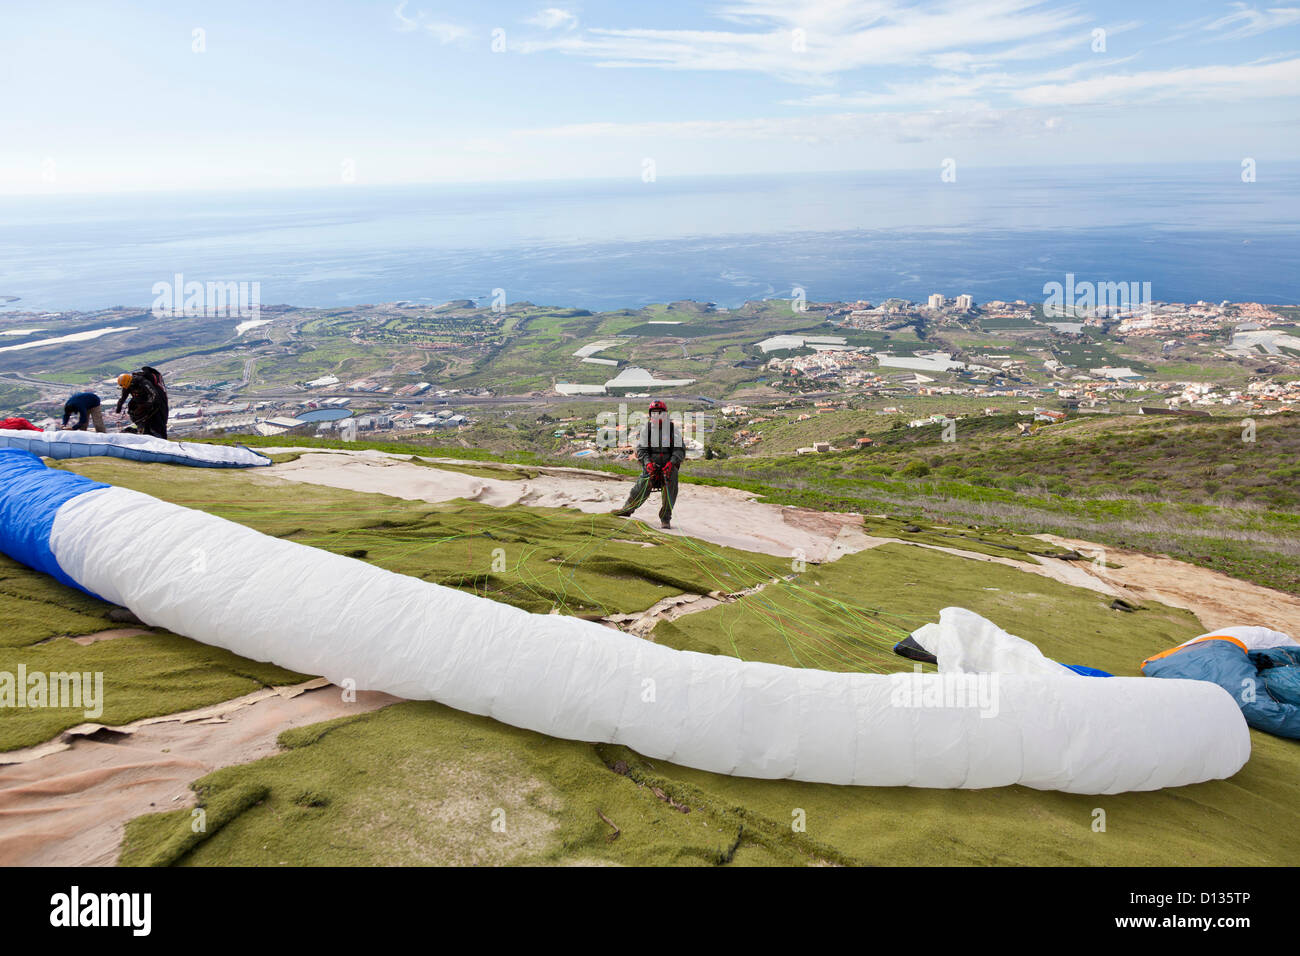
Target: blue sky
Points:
(98, 96)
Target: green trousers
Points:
(641, 491)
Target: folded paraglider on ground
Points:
(1258, 666)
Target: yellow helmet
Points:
(124, 380)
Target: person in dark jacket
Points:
(145, 398)
(86, 406)
(661, 451)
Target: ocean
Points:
(1193, 231)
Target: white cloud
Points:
(441, 31)
(1076, 40)
(553, 17)
(937, 55)
(1246, 81)
(1249, 22)
(810, 40)
(947, 90)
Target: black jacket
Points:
(143, 397)
(660, 443)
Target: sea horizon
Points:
(1194, 231)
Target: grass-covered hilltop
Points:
(419, 782)
(1103, 486)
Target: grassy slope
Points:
(1192, 489)
(420, 782)
(548, 559)
(790, 625)
(14, 397)
(144, 676)
(1189, 488)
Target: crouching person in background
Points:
(86, 406)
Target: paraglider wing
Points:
(316, 612)
(75, 444)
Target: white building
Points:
(965, 303)
(634, 377)
(937, 301)
(923, 361)
(574, 389)
(820, 343)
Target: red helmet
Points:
(658, 406)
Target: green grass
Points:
(13, 397)
(143, 676)
(540, 559)
(1189, 488)
(419, 783)
(818, 620)
(395, 447)
(35, 607)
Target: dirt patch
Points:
(724, 516)
(87, 639)
(469, 813)
(65, 802)
(1216, 599)
(731, 517)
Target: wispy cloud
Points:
(1246, 81)
(1246, 21)
(938, 54)
(440, 30)
(957, 89)
(810, 40)
(1242, 22)
(552, 18)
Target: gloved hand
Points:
(667, 469)
(651, 469)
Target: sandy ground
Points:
(65, 802)
(723, 516)
(1216, 599)
(731, 517)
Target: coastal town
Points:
(438, 373)
(1051, 360)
